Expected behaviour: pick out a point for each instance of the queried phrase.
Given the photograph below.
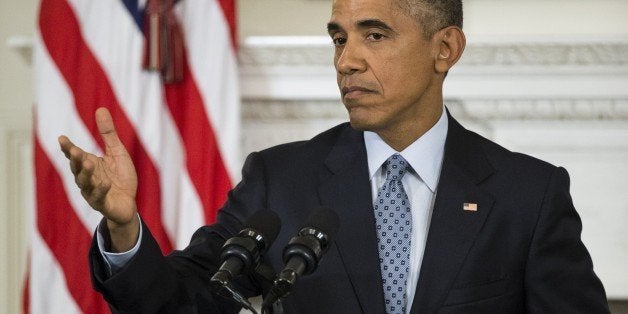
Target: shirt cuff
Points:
(115, 261)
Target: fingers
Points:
(94, 186)
(84, 176)
(65, 144)
(107, 129)
(72, 152)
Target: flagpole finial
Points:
(164, 46)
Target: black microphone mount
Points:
(242, 254)
(302, 256)
(239, 253)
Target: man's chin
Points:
(360, 125)
(362, 119)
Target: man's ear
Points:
(450, 42)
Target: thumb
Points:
(107, 129)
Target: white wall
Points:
(482, 17)
(594, 114)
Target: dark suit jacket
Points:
(520, 252)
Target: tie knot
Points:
(395, 166)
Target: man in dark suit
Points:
(491, 231)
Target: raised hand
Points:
(108, 183)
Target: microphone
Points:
(243, 252)
(304, 252)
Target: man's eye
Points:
(375, 36)
(339, 41)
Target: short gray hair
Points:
(433, 15)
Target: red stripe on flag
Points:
(26, 293)
(64, 233)
(203, 160)
(91, 89)
(229, 11)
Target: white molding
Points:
(571, 109)
(515, 80)
(23, 45)
(491, 68)
(495, 50)
(577, 54)
(296, 110)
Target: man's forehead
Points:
(355, 10)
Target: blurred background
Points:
(545, 77)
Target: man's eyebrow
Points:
(333, 27)
(376, 23)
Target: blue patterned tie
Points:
(394, 227)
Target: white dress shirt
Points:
(425, 156)
(115, 261)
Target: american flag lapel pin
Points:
(470, 207)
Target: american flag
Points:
(182, 136)
(470, 207)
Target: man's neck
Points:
(402, 137)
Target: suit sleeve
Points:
(559, 272)
(179, 282)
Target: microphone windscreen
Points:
(325, 220)
(265, 222)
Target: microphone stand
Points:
(229, 292)
(264, 272)
(268, 275)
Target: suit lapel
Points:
(348, 192)
(452, 229)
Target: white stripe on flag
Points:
(216, 75)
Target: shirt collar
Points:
(425, 155)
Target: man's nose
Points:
(351, 59)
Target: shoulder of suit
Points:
(502, 158)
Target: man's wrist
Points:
(121, 238)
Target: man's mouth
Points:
(354, 91)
